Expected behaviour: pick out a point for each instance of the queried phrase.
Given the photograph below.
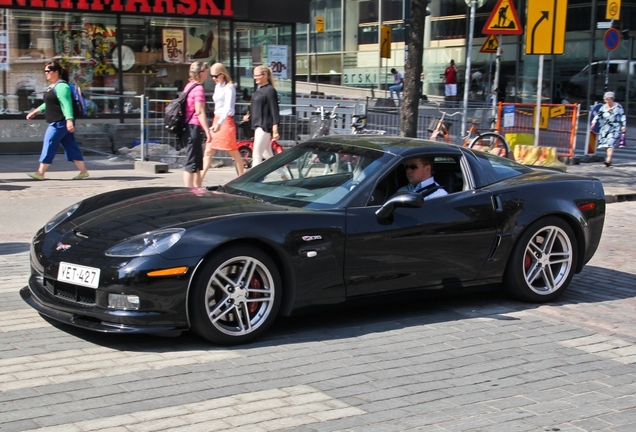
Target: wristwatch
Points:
(127, 57)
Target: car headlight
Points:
(151, 243)
(60, 217)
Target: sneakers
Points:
(81, 176)
(35, 176)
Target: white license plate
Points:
(78, 275)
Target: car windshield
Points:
(312, 175)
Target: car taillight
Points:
(588, 206)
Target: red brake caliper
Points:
(527, 261)
(254, 283)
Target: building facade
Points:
(347, 52)
(117, 50)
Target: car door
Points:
(445, 241)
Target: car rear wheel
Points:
(543, 261)
(235, 296)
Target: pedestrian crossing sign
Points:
(490, 46)
(503, 20)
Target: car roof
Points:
(402, 146)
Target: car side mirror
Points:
(409, 200)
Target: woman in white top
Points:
(223, 127)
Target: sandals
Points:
(81, 176)
(35, 176)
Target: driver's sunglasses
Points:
(413, 167)
(215, 76)
(48, 70)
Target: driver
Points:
(419, 172)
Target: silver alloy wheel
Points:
(548, 260)
(240, 296)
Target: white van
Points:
(617, 81)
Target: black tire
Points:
(246, 155)
(543, 261)
(491, 142)
(226, 310)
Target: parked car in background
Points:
(617, 80)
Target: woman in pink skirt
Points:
(223, 127)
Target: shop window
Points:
(27, 99)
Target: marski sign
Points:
(168, 7)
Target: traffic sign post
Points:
(612, 39)
(320, 24)
(503, 20)
(385, 47)
(545, 34)
(613, 10)
(490, 45)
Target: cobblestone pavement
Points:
(475, 363)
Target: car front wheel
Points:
(543, 261)
(235, 296)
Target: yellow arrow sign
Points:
(545, 27)
(557, 111)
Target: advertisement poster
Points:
(4, 43)
(173, 41)
(277, 59)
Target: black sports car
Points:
(321, 224)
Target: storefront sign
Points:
(158, 7)
(173, 41)
(360, 76)
(277, 57)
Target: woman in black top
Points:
(264, 114)
(58, 110)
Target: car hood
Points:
(171, 208)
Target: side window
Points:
(446, 172)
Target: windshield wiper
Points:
(218, 188)
(249, 195)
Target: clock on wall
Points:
(127, 57)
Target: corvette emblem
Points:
(62, 246)
(311, 238)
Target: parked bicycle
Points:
(439, 128)
(320, 124)
(490, 141)
(359, 126)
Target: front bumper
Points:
(97, 319)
